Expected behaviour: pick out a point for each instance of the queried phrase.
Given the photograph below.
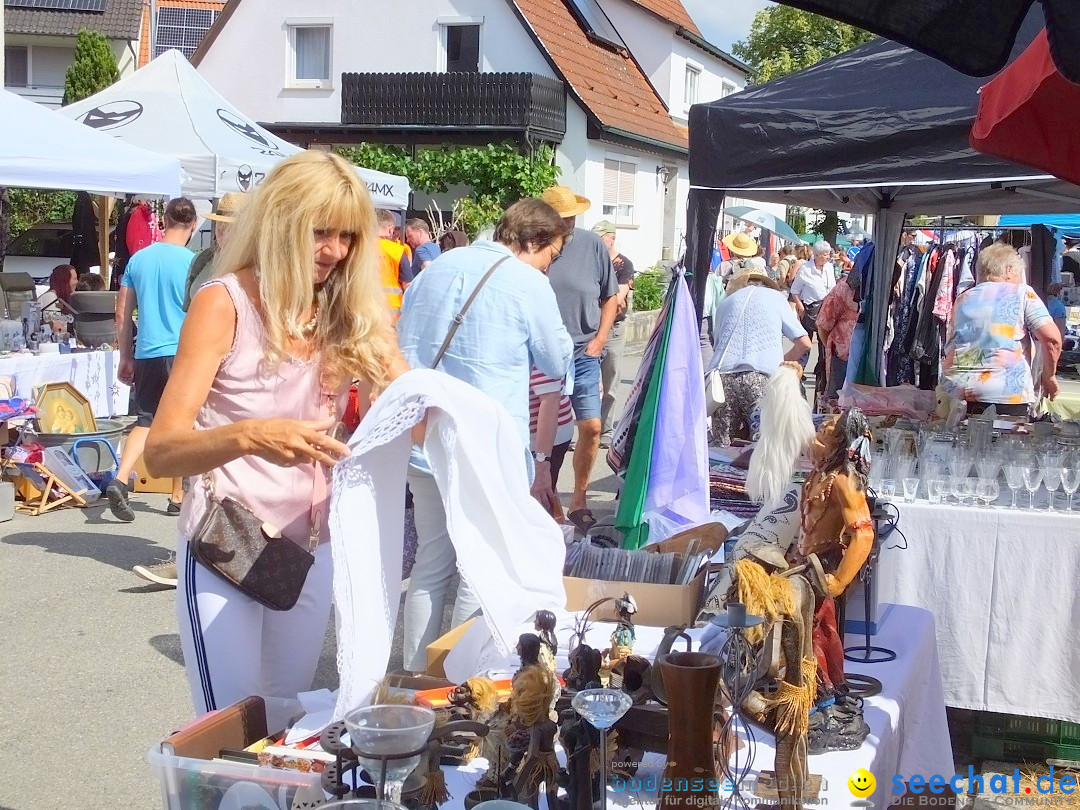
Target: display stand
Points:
(867, 653)
(45, 481)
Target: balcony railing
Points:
(515, 103)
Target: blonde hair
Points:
(275, 235)
(995, 261)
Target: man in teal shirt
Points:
(154, 283)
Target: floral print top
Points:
(838, 315)
(984, 357)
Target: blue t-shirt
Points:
(158, 275)
(1057, 308)
(427, 252)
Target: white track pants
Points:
(234, 647)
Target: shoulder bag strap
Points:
(461, 315)
(738, 319)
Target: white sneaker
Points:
(163, 573)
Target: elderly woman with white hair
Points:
(985, 363)
(812, 283)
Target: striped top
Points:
(540, 384)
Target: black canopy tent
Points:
(881, 129)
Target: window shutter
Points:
(627, 176)
(611, 182)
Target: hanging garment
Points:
(901, 366)
(926, 335)
(85, 251)
(946, 294)
(509, 550)
(142, 228)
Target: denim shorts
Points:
(586, 395)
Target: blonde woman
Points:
(266, 355)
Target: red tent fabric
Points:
(1028, 114)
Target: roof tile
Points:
(120, 20)
(671, 10)
(610, 84)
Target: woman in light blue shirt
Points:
(512, 326)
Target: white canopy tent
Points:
(168, 108)
(40, 149)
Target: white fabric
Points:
(234, 647)
(909, 733)
(509, 549)
(168, 108)
(1003, 586)
(92, 373)
(41, 149)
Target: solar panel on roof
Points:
(595, 22)
(58, 5)
(182, 28)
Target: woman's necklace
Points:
(308, 329)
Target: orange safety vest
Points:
(391, 254)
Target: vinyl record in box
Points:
(62, 408)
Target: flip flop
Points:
(583, 519)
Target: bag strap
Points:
(738, 319)
(460, 317)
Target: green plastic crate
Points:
(1031, 750)
(1027, 729)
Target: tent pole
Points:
(104, 212)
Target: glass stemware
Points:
(389, 731)
(1014, 477)
(988, 491)
(602, 708)
(935, 488)
(971, 488)
(956, 488)
(1051, 480)
(1032, 482)
(1070, 482)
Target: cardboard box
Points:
(145, 483)
(440, 647)
(658, 605)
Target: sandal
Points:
(583, 519)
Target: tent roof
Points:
(879, 126)
(40, 149)
(167, 107)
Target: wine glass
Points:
(1070, 482)
(389, 731)
(1032, 482)
(988, 491)
(960, 462)
(971, 488)
(1014, 477)
(1051, 480)
(602, 708)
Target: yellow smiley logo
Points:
(861, 783)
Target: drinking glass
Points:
(971, 487)
(1032, 482)
(960, 462)
(934, 489)
(1070, 482)
(956, 488)
(988, 491)
(602, 708)
(1014, 477)
(989, 465)
(888, 489)
(389, 730)
(911, 489)
(1051, 480)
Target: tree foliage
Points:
(783, 40)
(498, 174)
(92, 70)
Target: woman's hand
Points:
(542, 490)
(290, 442)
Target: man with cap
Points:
(587, 291)
(202, 267)
(611, 364)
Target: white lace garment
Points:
(509, 549)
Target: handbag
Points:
(714, 383)
(252, 555)
(460, 317)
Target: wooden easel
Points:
(44, 480)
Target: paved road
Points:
(92, 660)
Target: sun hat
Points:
(744, 278)
(565, 201)
(740, 244)
(229, 207)
(604, 227)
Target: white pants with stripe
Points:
(234, 647)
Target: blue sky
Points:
(724, 22)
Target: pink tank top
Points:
(246, 388)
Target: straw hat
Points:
(565, 201)
(740, 244)
(741, 280)
(229, 207)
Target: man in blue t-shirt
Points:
(154, 284)
(425, 251)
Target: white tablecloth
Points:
(908, 730)
(93, 373)
(1003, 587)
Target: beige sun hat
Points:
(740, 244)
(738, 282)
(229, 207)
(565, 201)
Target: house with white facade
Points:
(608, 82)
